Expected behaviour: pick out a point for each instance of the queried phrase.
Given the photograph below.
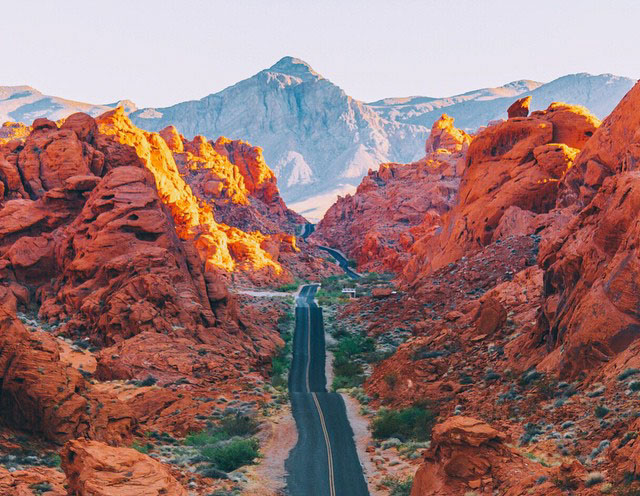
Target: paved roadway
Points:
(324, 462)
(342, 261)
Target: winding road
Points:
(307, 230)
(324, 461)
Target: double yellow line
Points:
(323, 424)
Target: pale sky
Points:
(161, 52)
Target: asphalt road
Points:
(308, 230)
(342, 261)
(324, 462)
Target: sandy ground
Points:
(262, 294)
(362, 437)
(269, 477)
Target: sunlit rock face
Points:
(320, 141)
(314, 135)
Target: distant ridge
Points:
(320, 141)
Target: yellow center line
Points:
(332, 485)
(325, 432)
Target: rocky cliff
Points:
(397, 204)
(319, 140)
(116, 317)
(521, 312)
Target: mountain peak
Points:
(293, 67)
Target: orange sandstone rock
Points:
(519, 108)
(95, 469)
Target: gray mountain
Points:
(600, 94)
(317, 139)
(26, 104)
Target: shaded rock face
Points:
(397, 204)
(614, 148)
(93, 468)
(590, 311)
(102, 241)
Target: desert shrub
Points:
(232, 455)
(531, 432)
(491, 376)
(142, 448)
(529, 377)
(391, 380)
(408, 424)
(601, 411)
(626, 373)
(397, 486)
(212, 472)
(228, 427)
(634, 385)
(424, 352)
(52, 460)
(239, 425)
(593, 478)
(627, 437)
(41, 487)
(149, 381)
(465, 379)
(565, 483)
(348, 370)
(292, 286)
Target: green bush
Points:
(286, 288)
(230, 426)
(142, 448)
(397, 486)
(205, 438)
(232, 455)
(348, 371)
(239, 425)
(408, 424)
(625, 374)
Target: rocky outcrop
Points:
(93, 468)
(23, 482)
(519, 108)
(469, 456)
(378, 224)
(104, 246)
(43, 394)
(518, 163)
(234, 179)
(614, 148)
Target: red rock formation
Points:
(468, 454)
(378, 224)
(519, 108)
(22, 482)
(614, 147)
(42, 394)
(104, 244)
(233, 177)
(517, 163)
(93, 468)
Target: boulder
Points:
(96, 469)
(519, 108)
